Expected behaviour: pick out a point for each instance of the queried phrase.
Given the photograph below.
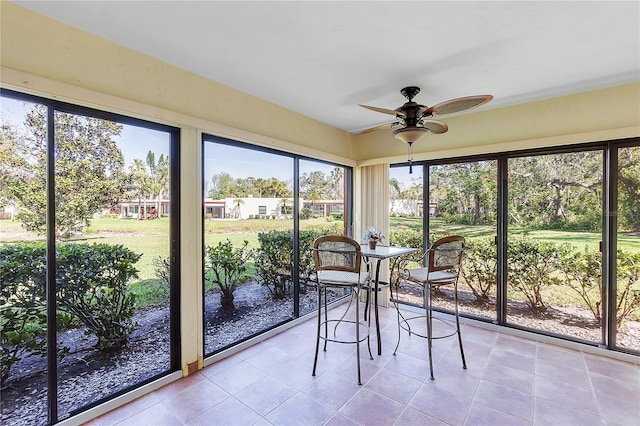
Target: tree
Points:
(227, 268)
(158, 177)
(140, 185)
(464, 189)
(394, 188)
(286, 206)
(88, 170)
(336, 180)
(558, 191)
(315, 186)
(221, 186)
(237, 202)
(629, 189)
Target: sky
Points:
(242, 163)
(405, 179)
(133, 141)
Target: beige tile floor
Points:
(509, 381)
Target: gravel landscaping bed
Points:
(86, 376)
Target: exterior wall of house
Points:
(245, 208)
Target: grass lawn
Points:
(576, 238)
(152, 240)
(151, 237)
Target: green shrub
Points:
(91, 288)
(583, 274)
(628, 282)
(92, 285)
(227, 268)
(480, 267)
(274, 260)
(407, 238)
(533, 266)
(162, 269)
(306, 213)
(22, 333)
(23, 317)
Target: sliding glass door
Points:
(627, 277)
(462, 201)
(554, 262)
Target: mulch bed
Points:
(87, 376)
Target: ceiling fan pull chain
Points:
(410, 158)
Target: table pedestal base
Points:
(384, 295)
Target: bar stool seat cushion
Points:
(342, 278)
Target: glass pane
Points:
(462, 201)
(23, 319)
(406, 210)
(322, 203)
(248, 230)
(113, 273)
(553, 260)
(628, 268)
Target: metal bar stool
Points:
(338, 262)
(444, 260)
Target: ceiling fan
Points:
(413, 120)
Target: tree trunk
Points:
(476, 215)
(226, 302)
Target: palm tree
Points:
(284, 202)
(158, 177)
(237, 202)
(140, 179)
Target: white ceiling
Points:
(323, 58)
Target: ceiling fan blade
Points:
(373, 129)
(459, 104)
(384, 110)
(435, 126)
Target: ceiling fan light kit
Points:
(409, 134)
(415, 118)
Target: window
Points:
(554, 210)
(115, 327)
(265, 191)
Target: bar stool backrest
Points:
(337, 253)
(446, 254)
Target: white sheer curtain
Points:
(372, 205)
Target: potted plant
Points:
(373, 236)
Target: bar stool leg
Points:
(356, 294)
(429, 308)
(315, 360)
(455, 296)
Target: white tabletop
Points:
(385, 252)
